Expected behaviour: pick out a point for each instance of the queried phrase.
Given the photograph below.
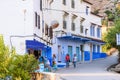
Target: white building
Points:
(21, 25)
(26, 23)
(79, 30)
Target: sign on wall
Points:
(118, 38)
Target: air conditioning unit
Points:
(68, 34)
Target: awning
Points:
(74, 38)
(33, 44)
(81, 39)
(97, 41)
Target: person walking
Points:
(47, 64)
(54, 62)
(67, 60)
(74, 60)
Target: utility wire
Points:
(60, 10)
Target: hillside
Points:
(99, 6)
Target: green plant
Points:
(17, 66)
(105, 22)
(110, 37)
(21, 66)
(110, 15)
(4, 58)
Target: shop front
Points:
(86, 49)
(38, 49)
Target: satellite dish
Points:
(54, 24)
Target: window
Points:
(38, 22)
(98, 32)
(50, 33)
(81, 28)
(72, 4)
(64, 2)
(64, 24)
(73, 22)
(81, 25)
(87, 10)
(46, 29)
(92, 30)
(73, 26)
(36, 19)
(41, 5)
(86, 30)
(43, 26)
(94, 48)
(65, 19)
(98, 48)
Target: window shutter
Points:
(72, 4)
(64, 24)
(41, 5)
(36, 19)
(46, 29)
(38, 22)
(50, 32)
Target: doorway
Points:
(70, 52)
(59, 53)
(78, 53)
(82, 52)
(36, 53)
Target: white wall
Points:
(12, 19)
(65, 44)
(79, 10)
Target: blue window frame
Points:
(87, 9)
(92, 30)
(41, 5)
(98, 32)
(73, 4)
(98, 48)
(94, 48)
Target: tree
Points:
(4, 60)
(17, 66)
(112, 15)
(21, 66)
(110, 37)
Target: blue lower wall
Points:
(86, 56)
(95, 55)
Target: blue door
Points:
(78, 53)
(70, 52)
(44, 53)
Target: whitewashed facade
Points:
(79, 31)
(20, 27)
